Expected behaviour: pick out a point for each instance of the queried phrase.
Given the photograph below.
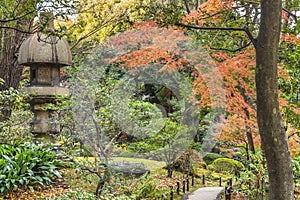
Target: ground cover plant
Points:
(26, 165)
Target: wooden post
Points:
(183, 186)
(227, 193)
(193, 180)
(178, 187)
(220, 181)
(171, 192)
(187, 185)
(230, 182)
(203, 179)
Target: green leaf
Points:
(31, 189)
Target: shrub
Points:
(226, 165)
(145, 188)
(252, 183)
(24, 165)
(210, 157)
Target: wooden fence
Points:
(184, 186)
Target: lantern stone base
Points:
(45, 92)
(44, 120)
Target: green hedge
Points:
(226, 165)
(25, 165)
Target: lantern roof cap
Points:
(43, 49)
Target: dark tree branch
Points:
(17, 18)
(249, 34)
(290, 13)
(16, 29)
(209, 28)
(232, 50)
(187, 6)
(196, 4)
(244, 29)
(207, 16)
(295, 133)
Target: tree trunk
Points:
(271, 128)
(10, 42)
(250, 140)
(170, 172)
(10, 70)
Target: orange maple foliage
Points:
(208, 10)
(285, 15)
(290, 39)
(162, 46)
(238, 77)
(236, 72)
(151, 55)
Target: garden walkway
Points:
(205, 193)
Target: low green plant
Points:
(144, 188)
(226, 165)
(252, 183)
(15, 115)
(25, 165)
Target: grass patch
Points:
(152, 165)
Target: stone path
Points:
(205, 193)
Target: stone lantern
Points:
(45, 55)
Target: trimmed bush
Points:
(228, 165)
(210, 157)
(25, 165)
